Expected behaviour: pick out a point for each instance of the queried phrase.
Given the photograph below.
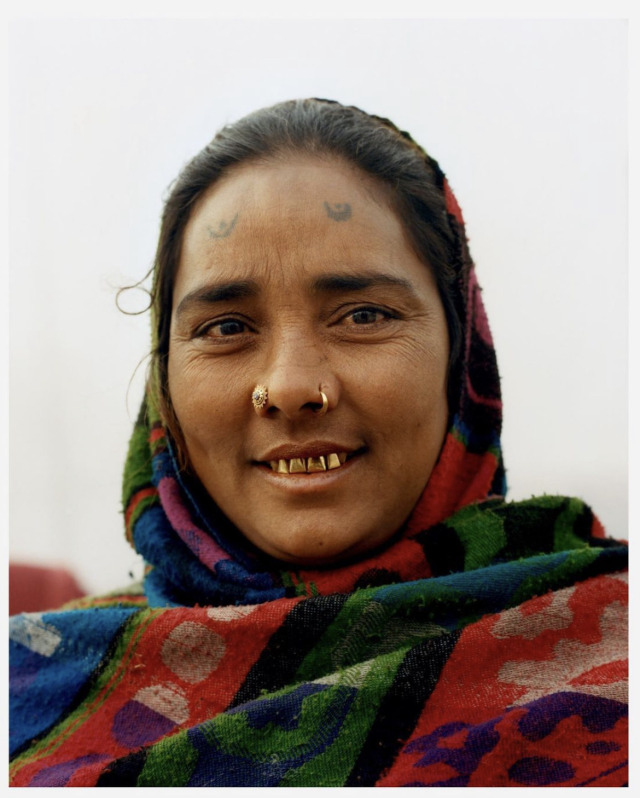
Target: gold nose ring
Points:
(325, 404)
(260, 398)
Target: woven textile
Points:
(485, 645)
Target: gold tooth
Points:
(298, 465)
(316, 464)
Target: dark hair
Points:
(316, 127)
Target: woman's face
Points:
(299, 276)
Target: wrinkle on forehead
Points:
(281, 227)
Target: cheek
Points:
(207, 407)
(419, 429)
(412, 385)
(414, 414)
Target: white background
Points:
(527, 117)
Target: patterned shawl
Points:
(485, 645)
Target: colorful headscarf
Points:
(197, 557)
(484, 645)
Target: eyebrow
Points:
(327, 283)
(218, 292)
(338, 283)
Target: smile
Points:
(309, 465)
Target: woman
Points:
(337, 593)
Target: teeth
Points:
(309, 465)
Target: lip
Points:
(289, 451)
(309, 482)
(306, 485)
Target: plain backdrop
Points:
(526, 117)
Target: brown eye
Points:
(225, 328)
(365, 316)
(368, 315)
(230, 327)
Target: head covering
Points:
(195, 554)
(483, 645)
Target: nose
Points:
(297, 374)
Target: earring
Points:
(260, 398)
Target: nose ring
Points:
(325, 405)
(260, 398)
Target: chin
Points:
(306, 555)
(310, 550)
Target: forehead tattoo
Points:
(224, 228)
(339, 211)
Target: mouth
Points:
(309, 458)
(308, 465)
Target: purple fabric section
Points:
(540, 771)
(59, 775)
(198, 541)
(136, 725)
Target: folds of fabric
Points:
(511, 673)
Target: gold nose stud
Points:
(260, 398)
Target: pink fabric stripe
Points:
(198, 541)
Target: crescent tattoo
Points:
(340, 211)
(223, 230)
